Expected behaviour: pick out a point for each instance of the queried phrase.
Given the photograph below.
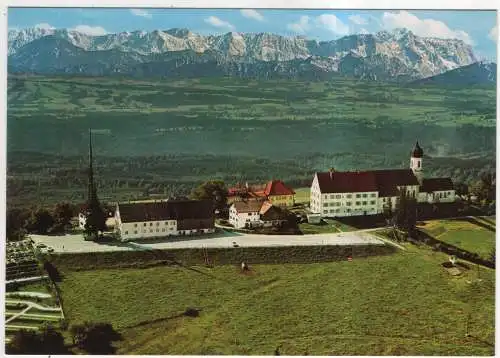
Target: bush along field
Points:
(401, 304)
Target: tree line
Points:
(87, 338)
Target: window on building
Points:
(358, 195)
(150, 224)
(325, 211)
(365, 195)
(126, 232)
(364, 202)
(163, 230)
(144, 224)
(150, 230)
(373, 195)
(135, 225)
(348, 210)
(157, 224)
(135, 232)
(249, 214)
(338, 196)
(348, 203)
(157, 230)
(372, 202)
(348, 196)
(418, 164)
(357, 202)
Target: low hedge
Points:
(217, 256)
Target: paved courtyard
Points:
(76, 243)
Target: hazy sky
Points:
(478, 28)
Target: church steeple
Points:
(416, 161)
(92, 194)
(417, 151)
(96, 219)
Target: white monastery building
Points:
(336, 194)
(141, 220)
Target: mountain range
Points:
(399, 55)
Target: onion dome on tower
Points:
(417, 151)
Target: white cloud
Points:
(301, 26)
(44, 26)
(215, 21)
(141, 12)
(90, 30)
(358, 20)
(363, 31)
(333, 24)
(423, 27)
(493, 35)
(252, 14)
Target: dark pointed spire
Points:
(92, 195)
(96, 220)
(417, 151)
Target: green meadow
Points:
(402, 304)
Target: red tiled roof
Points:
(265, 207)
(248, 206)
(436, 184)
(277, 187)
(388, 180)
(272, 213)
(346, 182)
(383, 181)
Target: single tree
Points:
(63, 213)
(16, 223)
(40, 221)
(95, 338)
(461, 189)
(405, 215)
(214, 190)
(485, 188)
(47, 341)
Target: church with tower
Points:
(355, 193)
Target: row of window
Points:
(336, 211)
(171, 223)
(151, 230)
(348, 203)
(349, 196)
(442, 195)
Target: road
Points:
(75, 243)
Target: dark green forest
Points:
(164, 137)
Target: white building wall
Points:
(442, 196)
(348, 204)
(315, 201)
(150, 229)
(239, 220)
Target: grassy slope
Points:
(470, 236)
(400, 304)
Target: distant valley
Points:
(157, 136)
(399, 55)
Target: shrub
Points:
(192, 312)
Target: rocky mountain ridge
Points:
(396, 55)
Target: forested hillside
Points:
(166, 136)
